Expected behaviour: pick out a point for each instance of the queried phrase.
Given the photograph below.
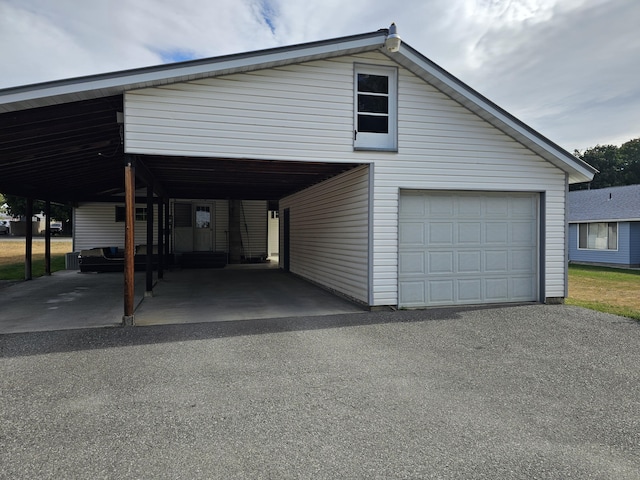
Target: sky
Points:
(570, 69)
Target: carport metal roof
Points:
(61, 140)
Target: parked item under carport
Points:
(111, 259)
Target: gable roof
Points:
(605, 204)
(92, 102)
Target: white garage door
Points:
(467, 248)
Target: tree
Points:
(630, 154)
(17, 206)
(617, 165)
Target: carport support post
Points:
(28, 244)
(47, 238)
(129, 241)
(167, 232)
(160, 239)
(148, 292)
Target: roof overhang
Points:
(73, 122)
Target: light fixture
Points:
(392, 43)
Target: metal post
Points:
(129, 242)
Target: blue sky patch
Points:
(268, 14)
(173, 56)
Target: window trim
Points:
(608, 224)
(140, 214)
(390, 143)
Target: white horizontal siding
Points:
(305, 112)
(329, 232)
(95, 226)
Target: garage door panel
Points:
(440, 233)
(412, 294)
(441, 206)
(470, 261)
(497, 289)
(441, 291)
(470, 290)
(412, 263)
(412, 206)
(523, 260)
(496, 261)
(522, 233)
(440, 262)
(485, 251)
(412, 233)
(470, 233)
(497, 233)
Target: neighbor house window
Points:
(375, 108)
(598, 236)
(141, 214)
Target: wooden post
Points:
(129, 241)
(149, 267)
(28, 244)
(47, 238)
(160, 239)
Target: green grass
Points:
(608, 290)
(15, 271)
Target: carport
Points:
(65, 142)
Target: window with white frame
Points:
(376, 108)
(598, 236)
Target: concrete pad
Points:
(69, 299)
(65, 300)
(245, 293)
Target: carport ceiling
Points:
(73, 152)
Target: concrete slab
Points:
(65, 300)
(245, 293)
(69, 300)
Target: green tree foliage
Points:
(617, 165)
(17, 207)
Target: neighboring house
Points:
(395, 183)
(604, 226)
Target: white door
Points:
(467, 248)
(203, 229)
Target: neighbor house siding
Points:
(329, 225)
(621, 256)
(634, 243)
(95, 226)
(304, 112)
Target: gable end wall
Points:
(304, 112)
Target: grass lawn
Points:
(610, 290)
(12, 257)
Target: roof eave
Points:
(114, 83)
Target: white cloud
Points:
(566, 67)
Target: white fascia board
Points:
(578, 170)
(101, 85)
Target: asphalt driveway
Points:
(515, 392)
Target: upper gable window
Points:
(375, 110)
